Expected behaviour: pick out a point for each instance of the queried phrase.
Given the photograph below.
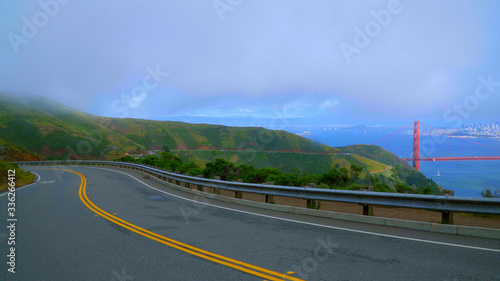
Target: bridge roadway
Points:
(434, 159)
(111, 224)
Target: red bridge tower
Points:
(416, 152)
(416, 145)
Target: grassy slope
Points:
(54, 130)
(179, 135)
(312, 163)
(59, 132)
(11, 152)
(22, 177)
(376, 153)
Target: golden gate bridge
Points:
(416, 159)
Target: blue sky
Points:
(336, 60)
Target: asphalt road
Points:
(107, 225)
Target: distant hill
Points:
(376, 153)
(179, 135)
(311, 163)
(56, 131)
(37, 128)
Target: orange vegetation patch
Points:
(45, 150)
(182, 147)
(21, 156)
(60, 151)
(297, 150)
(205, 147)
(45, 130)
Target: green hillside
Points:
(55, 131)
(287, 162)
(185, 136)
(11, 152)
(376, 153)
(37, 128)
(21, 177)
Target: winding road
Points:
(103, 223)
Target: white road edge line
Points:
(309, 223)
(21, 188)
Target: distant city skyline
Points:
(357, 62)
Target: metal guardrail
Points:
(442, 203)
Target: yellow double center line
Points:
(242, 266)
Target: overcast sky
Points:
(341, 60)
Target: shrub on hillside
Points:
(382, 187)
(491, 192)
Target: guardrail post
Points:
(177, 182)
(367, 210)
(446, 216)
(200, 187)
(238, 194)
(311, 203)
(187, 184)
(269, 197)
(169, 179)
(217, 190)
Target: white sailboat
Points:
(438, 175)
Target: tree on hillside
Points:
(192, 168)
(491, 193)
(355, 171)
(150, 160)
(220, 167)
(244, 171)
(336, 177)
(382, 187)
(127, 158)
(170, 161)
(285, 179)
(403, 188)
(374, 180)
(264, 174)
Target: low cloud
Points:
(262, 57)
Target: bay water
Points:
(466, 178)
